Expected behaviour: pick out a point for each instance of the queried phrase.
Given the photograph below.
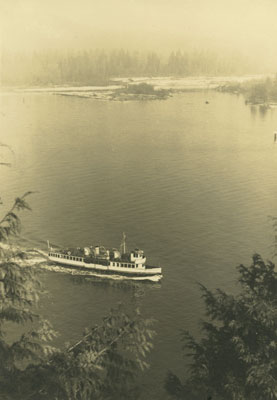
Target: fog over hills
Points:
(244, 31)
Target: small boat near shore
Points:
(106, 262)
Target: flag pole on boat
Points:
(123, 244)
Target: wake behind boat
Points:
(109, 262)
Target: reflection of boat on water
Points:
(107, 262)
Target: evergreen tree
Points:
(236, 359)
(19, 289)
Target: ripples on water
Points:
(190, 183)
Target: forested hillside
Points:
(99, 66)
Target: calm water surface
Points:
(190, 183)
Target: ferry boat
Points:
(108, 262)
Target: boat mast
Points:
(123, 244)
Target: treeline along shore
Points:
(97, 67)
(256, 92)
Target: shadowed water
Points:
(191, 183)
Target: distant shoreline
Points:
(118, 89)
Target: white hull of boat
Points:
(82, 268)
(73, 271)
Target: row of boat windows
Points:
(114, 264)
(67, 257)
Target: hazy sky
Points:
(248, 26)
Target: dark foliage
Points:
(237, 357)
